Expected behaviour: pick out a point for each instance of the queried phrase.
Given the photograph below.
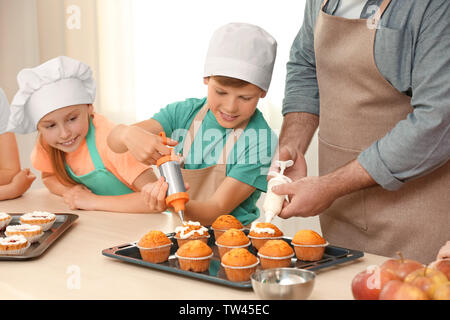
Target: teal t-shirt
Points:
(249, 160)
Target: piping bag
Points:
(169, 168)
(273, 203)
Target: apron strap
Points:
(193, 129)
(90, 141)
(233, 137)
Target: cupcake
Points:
(275, 254)
(230, 239)
(239, 264)
(5, 219)
(191, 231)
(194, 255)
(30, 231)
(309, 245)
(154, 247)
(44, 219)
(13, 245)
(260, 232)
(225, 222)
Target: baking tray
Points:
(62, 223)
(130, 253)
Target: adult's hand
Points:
(308, 196)
(297, 171)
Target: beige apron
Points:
(204, 182)
(357, 107)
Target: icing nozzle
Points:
(269, 215)
(284, 164)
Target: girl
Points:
(56, 99)
(13, 181)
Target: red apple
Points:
(426, 279)
(442, 291)
(443, 266)
(367, 284)
(399, 290)
(401, 267)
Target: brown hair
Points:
(231, 82)
(57, 159)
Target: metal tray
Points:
(130, 253)
(62, 223)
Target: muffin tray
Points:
(62, 223)
(216, 273)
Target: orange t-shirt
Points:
(123, 165)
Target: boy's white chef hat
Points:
(242, 51)
(55, 84)
(4, 111)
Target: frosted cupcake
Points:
(13, 245)
(191, 231)
(44, 219)
(260, 232)
(30, 231)
(5, 219)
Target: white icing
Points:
(182, 230)
(23, 227)
(4, 215)
(38, 215)
(273, 203)
(14, 239)
(256, 229)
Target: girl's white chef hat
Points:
(4, 111)
(242, 51)
(55, 84)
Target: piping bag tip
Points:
(269, 216)
(181, 215)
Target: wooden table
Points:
(74, 268)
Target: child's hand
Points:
(22, 181)
(146, 147)
(79, 197)
(154, 195)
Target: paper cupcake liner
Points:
(276, 258)
(310, 245)
(232, 247)
(241, 267)
(5, 222)
(194, 259)
(15, 252)
(154, 248)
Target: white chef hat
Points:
(242, 51)
(55, 84)
(4, 111)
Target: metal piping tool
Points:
(169, 168)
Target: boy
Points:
(225, 141)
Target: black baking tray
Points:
(130, 253)
(62, 223)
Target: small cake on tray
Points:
(30, 231)
(191, 231)
(154, 247)
(194, 255)
(13, 245)
(309, 245)
(275, 254)
(260, 232)
(230, 239)
(44, 219)
(239, 264)
(5, 219)
(225, 222)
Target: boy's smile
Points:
(230, 105)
